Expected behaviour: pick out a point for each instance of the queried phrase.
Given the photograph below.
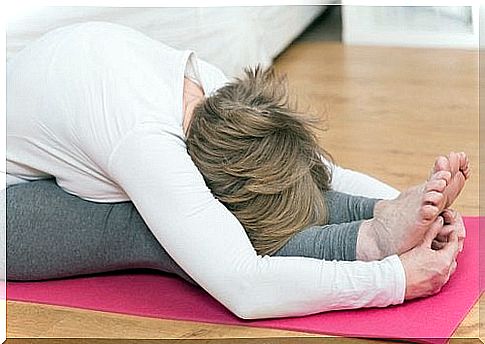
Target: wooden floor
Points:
(390, 112)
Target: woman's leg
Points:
(330, 242)
(52, 234)
(338, 239)
(343, 207)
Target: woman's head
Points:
(260, 158)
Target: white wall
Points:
(451, 27)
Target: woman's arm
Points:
(152, 166)
(359, 184)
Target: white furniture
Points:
(229, 37)
(420, 26)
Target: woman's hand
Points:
(453, 222)
(428, 270)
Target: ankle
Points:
(381, 204)
(372, 243)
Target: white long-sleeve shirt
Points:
(99, 107)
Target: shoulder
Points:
(212, 77)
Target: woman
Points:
(100, 107)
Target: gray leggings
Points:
(52, 234)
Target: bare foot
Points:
(459, 166)
(400, 224)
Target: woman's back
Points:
(75, 93)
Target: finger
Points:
(449, 216)
(461, 226)
(445, 232)
(452, 269)
(451, 248)
(437, 245)
(432, 232)
(442, 238)
(462, 232)
(460, 244)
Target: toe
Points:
(434, 198)
(429, 212)
(442, 175)
(438, 185)
(465, 165)
(441, 164)
(454, 159)
(463, 160)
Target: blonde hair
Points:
(260, 158)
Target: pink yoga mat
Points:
(429, 320)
